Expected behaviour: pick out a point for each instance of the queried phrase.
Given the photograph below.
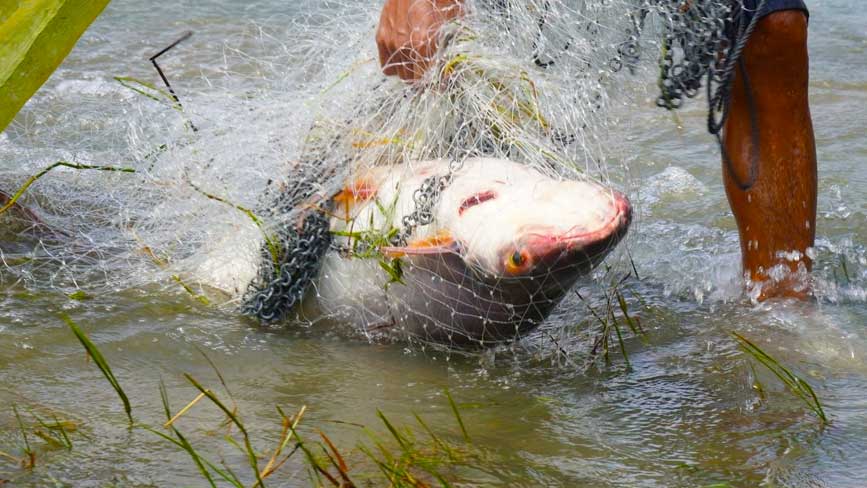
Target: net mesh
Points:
(233, 195)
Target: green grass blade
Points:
(63, 433)
(442, 445)
(633, 324)
(37, 35)
(620, 341)
(140, 87)
(233, 480)
(101, 363)
(458, 416)
(794, 383)
(185, 444)
(164, 397)
(400, 440)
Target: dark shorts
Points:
(771, 6)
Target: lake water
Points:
(685, 413)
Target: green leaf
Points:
(35, 37)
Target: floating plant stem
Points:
(201, 298)
(9, 457)
(54, 434)
(794, 383)
(136, 85)
(101, 363)
(34, 178)
(184, 410)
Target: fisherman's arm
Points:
(408, 33)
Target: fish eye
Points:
(517, 262)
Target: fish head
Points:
(513, 222)
(505, 245)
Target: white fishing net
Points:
(231, 198)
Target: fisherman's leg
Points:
(778, 213)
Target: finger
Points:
(405, 72)
(397, 61)
(396, 64)
(404, 63)
(385, 61)
(381, 45)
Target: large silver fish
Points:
(505, 245)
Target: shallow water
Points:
(685, 414)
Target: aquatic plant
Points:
(795, 384)
(607, 320)
(55, 434)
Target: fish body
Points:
(504, 246)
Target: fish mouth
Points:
(583, 248)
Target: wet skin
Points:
(779, 211)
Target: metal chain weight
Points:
(282, 283)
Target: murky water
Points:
(685, 414)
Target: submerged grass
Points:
(29, 461)
(794, 383)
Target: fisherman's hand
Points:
(408, 33)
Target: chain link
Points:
(425, 198)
